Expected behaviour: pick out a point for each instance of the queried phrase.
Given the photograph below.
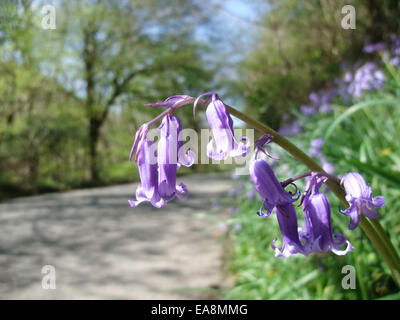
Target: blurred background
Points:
(71, 100)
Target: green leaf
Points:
(301, 282)
(357, 107)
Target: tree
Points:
(113, 44)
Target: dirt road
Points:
(101, 248)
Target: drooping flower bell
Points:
(291, 241)
(147, 164)
(359, 196)
(275, 196)
(269, 188)
(169, 160)
(157, 170)
(221, 124)
(317, 230)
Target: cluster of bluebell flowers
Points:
(158, 166)
(316, 234)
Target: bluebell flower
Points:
(148, 172)
(157, 168)
(269, 188)
(167, 158)
(291, 243)
(221, 124)
(317, 230)
(359, 197)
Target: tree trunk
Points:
(94, 134)
(33, 166)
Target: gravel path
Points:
(103, 249)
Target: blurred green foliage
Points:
(71, 99)
(301, 47)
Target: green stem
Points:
(373, 231)
(385, 238)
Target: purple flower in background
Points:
(373, 47)
(395, 40)
(327, 166)
(290, 129)
(342, 87)
(316, 151)
(321, 101)
(314, 98)
(237, 227)
(325, 108)
(233, 210)
(395, 61)
(317, 143)
(215, 204)
(269, 187)
(222, 227)
(395, 51)
(348, 76)
(366, 78)
(251, 194)
(147, 165)
(233, 191)
(359, 196)
(167, 158)
(221, 124)
(316, 146)
(308, 110)
(317, 230)
(287, 220)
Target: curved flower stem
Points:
(307, 174)
(372, 229)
